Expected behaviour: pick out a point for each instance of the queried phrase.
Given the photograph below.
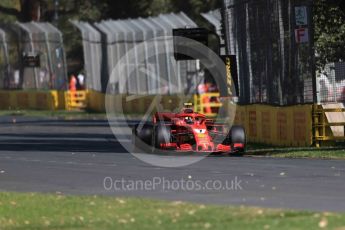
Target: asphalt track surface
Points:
(78, 156)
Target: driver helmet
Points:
(188, 120)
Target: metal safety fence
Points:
(273, 42)
(153, 69)
(215, 19)
(92, 51)
(32, 57)
(331, 83)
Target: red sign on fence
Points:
(302, 35)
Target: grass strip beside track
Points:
(52, 113)
(73, 114)
(336, 152)
(37, 211)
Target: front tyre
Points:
(161, 136)
(238, 140)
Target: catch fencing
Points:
(273, 42)
(152, 70)
(331, 83)
(32, 57)
(215, 19)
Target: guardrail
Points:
(76, 100)
(207, 104)
(320, 125)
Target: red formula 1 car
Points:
(189, 131)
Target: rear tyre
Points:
(141, 138)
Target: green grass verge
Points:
(336, 152)
(317, 154)
(53, 113)
(64, 114)
(37, 211)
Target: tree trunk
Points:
(282, 44)
(30, 10)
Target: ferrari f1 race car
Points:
(189, 131)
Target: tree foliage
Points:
(329, 19)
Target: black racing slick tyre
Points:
(141, 136)
(238, 136)
(161, 135)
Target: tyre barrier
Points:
(40, 100)
(278, 126)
